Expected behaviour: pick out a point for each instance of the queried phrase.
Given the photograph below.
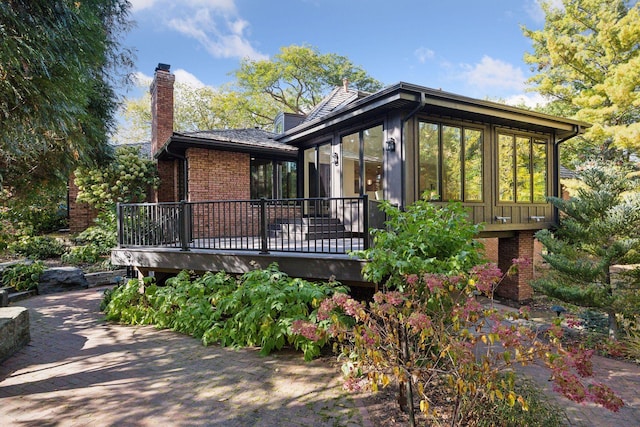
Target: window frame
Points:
(534, 138)
(463, 127)
(277, 177)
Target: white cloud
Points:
(141, 79)
(185, 77)
(138, 5)
(493, 74)
(215, 24)
(423, 54)
(534, 8)
(530, 100)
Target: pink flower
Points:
(411, 279)
(419, 321)
(308, 330)
(487, 276)
(434, 282)
(395, 298)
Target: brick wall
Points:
(167, 190)
(81, 215)
(516, 287)
(221, 175)
(490, 248)
(161, 130)
(161, 108)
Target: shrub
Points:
(37, 247)
(23, 276)
(94, 243)
(259, 308)
(427, 332)
(425, 238)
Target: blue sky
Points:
(470, 47)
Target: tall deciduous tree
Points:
(587, 61)
(298, 77)
(599, 228)
(59, 64)
(293, 81)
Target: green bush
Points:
(94, 243)
(23, 276)
(256, 309)
(85, 254)
(37, 247)
(424, 238)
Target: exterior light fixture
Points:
(390, 144)
(335, 159)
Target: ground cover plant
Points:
(22, 276)
(255, 309)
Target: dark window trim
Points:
(462, 125)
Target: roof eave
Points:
(410, 92)
(179, 144)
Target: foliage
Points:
(257, 309)
(586, 60)
(23, 276)
(95, 242)
(294, 81)
(126, 180)
(424, 238)
(59, 64)
(599, 228)
(42, 210)
(297, 78)
(543, 412)
(435, 338)
(37, 247)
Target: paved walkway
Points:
(79, 370)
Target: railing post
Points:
(119, 224)
(264, 245)
(183, 219)
(365, 215)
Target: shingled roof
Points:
(242, 140)
(338, 98)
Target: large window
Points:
(362, 163)
(522, 168)
(450, 162)
(273, 179)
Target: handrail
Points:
(318, 225)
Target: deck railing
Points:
(317, 225)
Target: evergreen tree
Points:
(599, 228)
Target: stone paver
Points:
(79, 370)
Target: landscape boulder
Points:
(61, 279)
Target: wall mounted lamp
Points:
(335, 159)
(390, 144)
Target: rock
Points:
(61, 279)
(14, 330)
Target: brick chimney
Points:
(161, 107)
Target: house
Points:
(306, 194)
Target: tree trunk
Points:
(611, 314)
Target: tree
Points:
(599, 228)
(293, 81)
(298, 77)
(587, 61)
(59, 64)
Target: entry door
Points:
(317, 162)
